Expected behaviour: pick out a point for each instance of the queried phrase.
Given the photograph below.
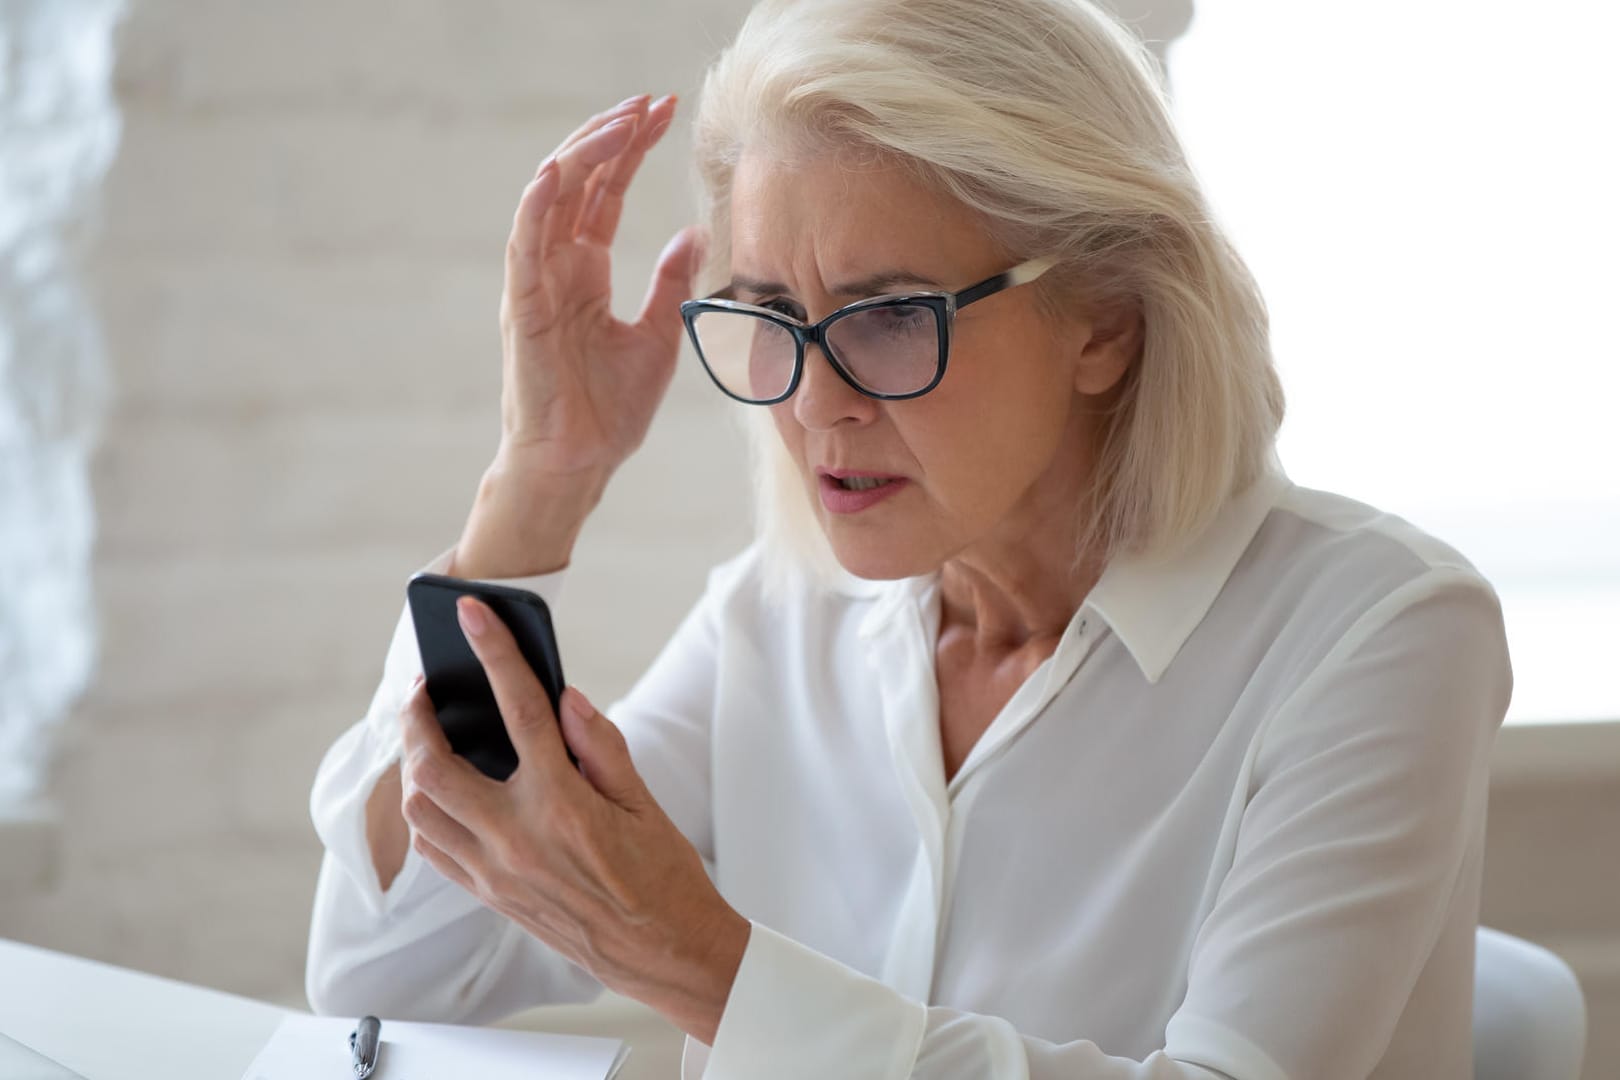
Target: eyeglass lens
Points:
(891, 349)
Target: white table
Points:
(111, 1023)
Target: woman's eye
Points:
(901, 317)
(783, 307)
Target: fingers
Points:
(553, 194)
(578, 191)
(552, 198)
(538, 207)
(574, 167)
(419, 723)
(441, 785)
(674, 280)
(536, 199)
(426, 817)
(629, 107)
(524, 707)
(596, 123)
(603, 200)
(432, 772)
(442, 862)
(603, 753)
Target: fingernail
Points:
(417, 681)
(631, 100)
(470, 613)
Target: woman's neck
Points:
(1010, 601)
(1022, 582)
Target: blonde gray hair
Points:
(1051, 120)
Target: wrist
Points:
(699, 1001)
(523, 523)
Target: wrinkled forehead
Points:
(836, 215)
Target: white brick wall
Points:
(299, 271)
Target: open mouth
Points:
(854, 494)
(863, 483)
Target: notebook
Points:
(311, 1047)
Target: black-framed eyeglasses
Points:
(889, 347)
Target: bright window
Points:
(1427, 194)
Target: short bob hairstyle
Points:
(1050, 118)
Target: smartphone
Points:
(456, 682)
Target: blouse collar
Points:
(1151, 604)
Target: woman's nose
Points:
(824, 399)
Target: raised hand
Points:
(579, 386)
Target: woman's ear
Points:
(1113, 345)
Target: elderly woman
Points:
(1047, 729)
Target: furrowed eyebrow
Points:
(874, 285)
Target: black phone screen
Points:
(456, 682)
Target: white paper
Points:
(313, 1047)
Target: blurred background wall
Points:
(297, 269)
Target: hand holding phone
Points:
(456, 683)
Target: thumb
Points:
(674, 279)
(603, 755)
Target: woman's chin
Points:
(876, 561)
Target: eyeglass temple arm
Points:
(1022, 274)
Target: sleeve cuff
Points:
(549, 587)
(793, 1013)
(1201, 1041)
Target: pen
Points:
(363, 1044)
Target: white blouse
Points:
(1232, 827)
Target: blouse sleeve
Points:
(424, 948)
(1367, 795)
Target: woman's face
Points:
(999, 447)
